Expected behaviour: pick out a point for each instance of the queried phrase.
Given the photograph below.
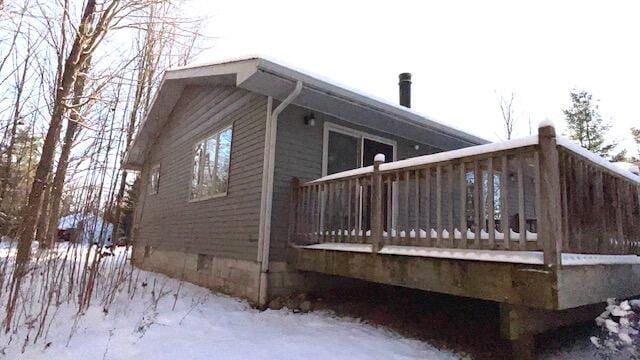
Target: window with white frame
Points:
(210, 172)
(154, 179)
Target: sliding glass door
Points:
(347, 149)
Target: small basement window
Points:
(210, 173)
(154, 179)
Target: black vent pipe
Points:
(405, 89)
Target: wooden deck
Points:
(533, 223)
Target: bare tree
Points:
(96, 21)
(63, 161)
(508, 115)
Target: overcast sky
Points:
(462, 54)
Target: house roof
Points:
(266, 77)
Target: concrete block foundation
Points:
(234, 277)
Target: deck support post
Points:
(376, 205)
(514, 327)
(550, 213)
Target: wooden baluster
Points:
(309, 213)
(439, 227)
(302, 212)
(571, 240)
(312, 215)
(358, 210)
(591, 219)
(396, 238)
(416, 205)
(349, 208)
(339, 209)
(599, 210)
(324, 221)
(504, 207)
(565, 203)
(407, 207)
(427, 209)
(389, 184)
(618, 206)
(330, 211)
(463, 205)
(319, 210)
(477, 190)
(366, 213)
(491, 203)
(450, 225)
(627, 216)
(578, 219)
(536, 180)
(522, 221)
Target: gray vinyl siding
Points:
(299, 154)
(224, 226)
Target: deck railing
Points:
(537, 193)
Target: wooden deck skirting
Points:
(533, 194)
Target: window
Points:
(346, 149)
(210, 172)
(154, 179)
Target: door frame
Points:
(361, 135)
(329, 126)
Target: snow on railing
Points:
(541, 193)
(435, 158)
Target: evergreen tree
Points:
(635, 134)
(586, 125)
(130, 200)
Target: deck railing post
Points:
(376, 204)
(550, 213)
(293, 211)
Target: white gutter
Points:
(266, 205)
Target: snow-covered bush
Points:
(619, 324)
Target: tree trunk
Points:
(30, 211)
(43, 218)
(63, 161)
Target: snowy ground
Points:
(205, 325)
(156, 317)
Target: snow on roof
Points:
(265, 60)
(484, 149)
(216, 62)
(92, 226)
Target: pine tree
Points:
(635, 134)
(586, 125)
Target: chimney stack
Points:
(405, 89)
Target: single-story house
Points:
(220, 146)
(258, 180)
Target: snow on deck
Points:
(506, 256)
